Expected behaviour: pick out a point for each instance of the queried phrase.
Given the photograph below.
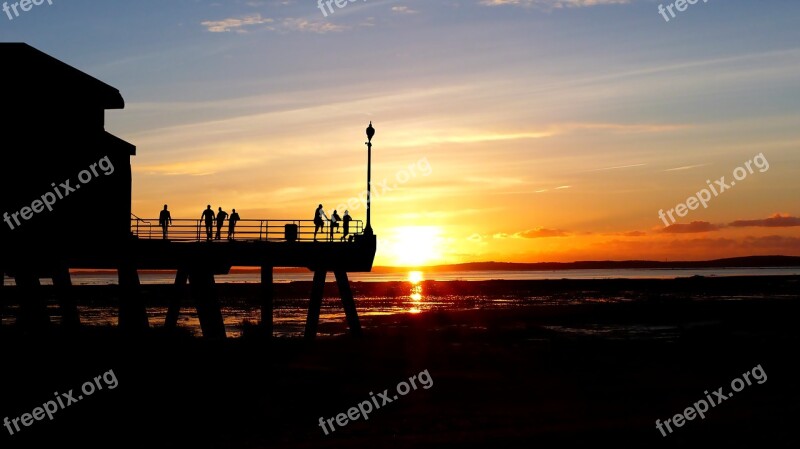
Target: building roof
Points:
(33, 78)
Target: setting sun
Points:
(411, 246)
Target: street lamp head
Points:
(370, 132)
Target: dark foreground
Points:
(518, 377)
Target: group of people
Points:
(165, 220)
(320, 217)
(208, 216)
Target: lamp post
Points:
(370, 133)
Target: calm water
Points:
(168, 278)
(290, 314)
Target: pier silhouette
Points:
(45, 231)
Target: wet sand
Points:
(579, 373)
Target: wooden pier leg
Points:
(62, 282)
(3, 291)
(348, 302)
(267, 296)
(132, 312)
(32, 308)
(201, 284)
(174, 308)
(317, 290)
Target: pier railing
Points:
(245, 230)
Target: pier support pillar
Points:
(3, 290)
(348, 302)
(267, 297)
(32, 308)
(178, 297)
(203, 289)
(132, 312)
(62, 282)
(317, 290)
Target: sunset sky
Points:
(540, 130)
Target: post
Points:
(174, 309)
(348, 303)
(368, 230)
(32, 308)
(370, 134)
(267, 296)
(132, 313)
(317, 290)
(201, 284)
(69, 309)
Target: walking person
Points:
(335, 219)
(221, 215)
(232, 224)
(319, 221)
(346, 224)
(164, 220)
(208, 216)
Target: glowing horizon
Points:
(554, 131)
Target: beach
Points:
(556, 364)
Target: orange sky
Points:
(541, 130)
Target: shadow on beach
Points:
(578, 373)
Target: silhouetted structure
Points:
(53, 121)
(60, 112)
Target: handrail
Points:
(138, 220)
(194, 230)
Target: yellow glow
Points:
(415, 277)
(413, 245)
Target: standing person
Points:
(221, 215)
(208, 216)
(164, 220)
(319, 222)
(335, 219)
(346, 224)
(232, 224)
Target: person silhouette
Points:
(221, 215)
(164, 220)
(319, 223)
(335, 219)
(232, 224)
(208, 216)
(346, 224)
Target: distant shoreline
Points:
(735, 262)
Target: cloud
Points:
(241, 25)
(311, 26)
(691, 228)
(532, 234)
(775, 221)
(237, 25)
(403, 10)
(553, 4)
(685, 167)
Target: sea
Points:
(290, 314)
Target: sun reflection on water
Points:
(415, 278)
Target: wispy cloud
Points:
(691, 228)
(532, 234)
(311, 26)
(775, 221)
(554, 4)
(686, 167)
(403, 10)
(245, 23)
(235, 24)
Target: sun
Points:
(412, 245)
